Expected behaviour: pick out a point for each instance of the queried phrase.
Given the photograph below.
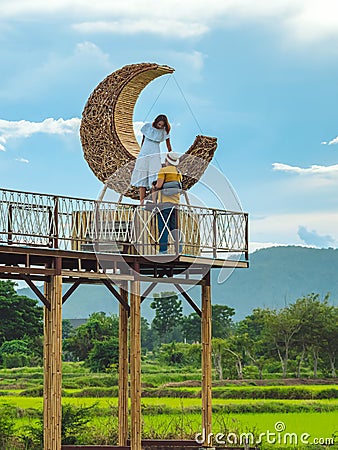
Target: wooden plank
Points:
(169, 280)
(96, 275)
(204, 261)
(26, 270)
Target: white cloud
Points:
(315, 239)
(284, 228)
(162, 27)
(24, 128)
(334, 141)
(303, 21)
(23, 160)
(314, 169)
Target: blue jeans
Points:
(167, 221)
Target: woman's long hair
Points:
(164, 119)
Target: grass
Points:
(175, 411)
(306, 426)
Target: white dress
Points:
(148, 162)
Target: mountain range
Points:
(277, 276)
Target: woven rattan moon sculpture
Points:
(107, 134)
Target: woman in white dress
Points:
(148, 162)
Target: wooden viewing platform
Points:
(59, 240)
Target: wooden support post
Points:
(47, 370)
(123, 368)
(53, 364)
(206, 360)
(135, 361)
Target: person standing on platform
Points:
(148, 162)
(169, 186)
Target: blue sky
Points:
(261, 76)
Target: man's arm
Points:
(159, 183)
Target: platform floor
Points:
(39, 263)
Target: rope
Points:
(186, 101)
(184, 98)
(188, 105)
(155, 101)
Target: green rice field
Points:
(271, 416)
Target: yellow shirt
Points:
(169, 173)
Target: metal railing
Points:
(68, 223)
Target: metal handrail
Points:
(71, 223)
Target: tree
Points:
(15, 353)
(20, 315)
(222, 320)
(103, 355)
(66, 328)
(313, 313)
(191, 327)
(221, 323)
(149, 338)
(99, 327)
(179, 353)
(282, 326)
(227, 357)
(330, 338)
(252, 330)
(168, 314)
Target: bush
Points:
(74, 421)
(7, 416)
(33, 392)
(14, 360)
(95, 392)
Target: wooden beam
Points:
(170, 280)
(56, 308)
(47, 372)
(123, 369)
(135, 362)
(73, 287)
(53, 365)
(36, 291)
(189, 299)
(18, 276)
(147, 291)
(116, 294)
(73, 274)
(26, 270)
(206, 359)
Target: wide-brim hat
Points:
(173, 158)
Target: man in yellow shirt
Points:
(169, 185)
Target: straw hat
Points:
(173, 158)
